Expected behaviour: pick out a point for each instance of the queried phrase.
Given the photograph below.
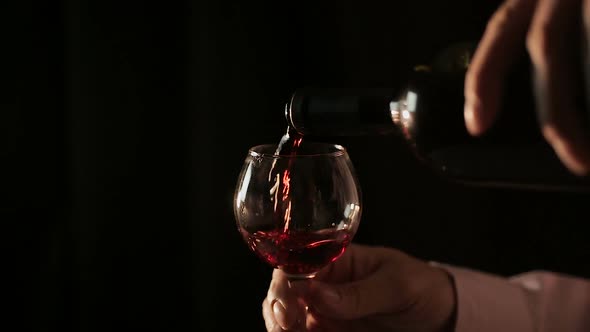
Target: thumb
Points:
(353, 300)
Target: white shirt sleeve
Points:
(536, 301)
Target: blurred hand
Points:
(367, 289)
(555, 33)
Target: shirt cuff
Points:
(487, 302)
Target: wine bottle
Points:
(427, 113)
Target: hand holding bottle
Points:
(367, 289)
(551, 32)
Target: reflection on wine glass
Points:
(299, 210)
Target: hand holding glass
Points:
(299, 211)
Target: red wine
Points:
(289, 143)
(298, 252)
(288, 146)
(295, 249)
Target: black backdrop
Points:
(124, 127)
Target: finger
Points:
(552, 44)
(286, 308)
(354, 300)
(501, 45)
(268, 315)
(357, 262)
(316, 323)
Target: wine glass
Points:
(298, 211)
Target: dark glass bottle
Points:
(428, 114)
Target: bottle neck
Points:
(341, 112)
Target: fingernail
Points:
(469, 115)
(468, 111)
(280, 314)
(575, 159)
(574, 163)
(472, 122)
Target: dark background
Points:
(124, 127)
